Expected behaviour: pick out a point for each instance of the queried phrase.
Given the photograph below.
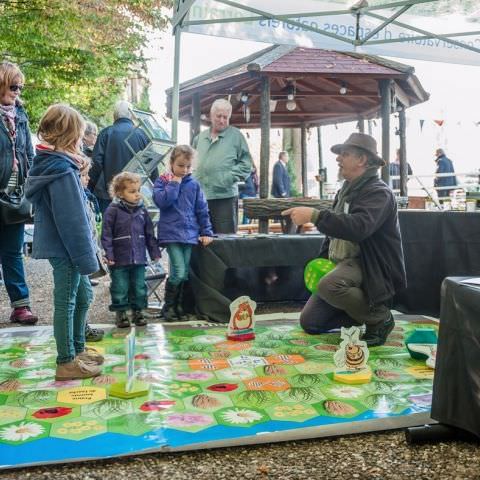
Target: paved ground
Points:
(367, 456)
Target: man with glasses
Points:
(363, 240)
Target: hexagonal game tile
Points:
(79, 428)
(81, 395)
(294, 412)
(207, 402)
(241, 417)
(106, 409)
(24, 431)
(189, 421)
(9, 414)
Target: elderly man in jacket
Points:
(223, 160)
(363, 239)
(111, 153)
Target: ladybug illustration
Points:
(52, 412)
(222, 387)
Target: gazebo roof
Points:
(316, 76)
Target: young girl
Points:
(63, 236)
(126, 235)
(184, 221)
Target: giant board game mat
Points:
(204, 391)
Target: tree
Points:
(78, 52)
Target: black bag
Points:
(14, 207)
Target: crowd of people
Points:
(90, 220)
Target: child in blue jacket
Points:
(63, 236)
(184, 221)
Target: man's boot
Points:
(182, 316)
(168, 310)
(376, 335)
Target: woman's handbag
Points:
(14, 207)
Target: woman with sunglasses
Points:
(16, 154)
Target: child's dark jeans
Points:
(128, 288)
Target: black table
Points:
(268, 268)
(456, 387)
(436, 245)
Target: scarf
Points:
(9, 113)
(341, 249)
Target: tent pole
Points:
(196, 116)
(386, 97)
(403, 152)
(265, 122)
(176, 86)
(304, 160)
(322, 174)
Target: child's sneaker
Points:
(122, 320)
(138, 318)
(93, 334)
(76, 370)
(91, 356)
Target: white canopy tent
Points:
(437, 30)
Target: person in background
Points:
(444, 165)
(111, 153)
(363, 239)
(89, 139)
(394, 169)
(93, 212)
(184, 222)
(63, 236)
(249, 189)
(127, 234)
(281, 178)
(223, 160)
(16, 154)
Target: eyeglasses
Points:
(16, 88)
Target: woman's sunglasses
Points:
(16, 88)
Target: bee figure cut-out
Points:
(353, 353)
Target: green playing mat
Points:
(204, 391)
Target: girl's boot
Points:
(168, 309)
(182, 316)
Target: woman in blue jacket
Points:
(184, 221)
(16, 155)
(63, 236)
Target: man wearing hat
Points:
(363, 240)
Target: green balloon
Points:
(315, 270)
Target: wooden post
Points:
(361, 125)
(264, 145)
(304, 161)
(321, 171)
(386, 95)
(196, 114)
(402, 126)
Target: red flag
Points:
(439, 122)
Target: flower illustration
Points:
(188, 419)
(239, 415)
(39, 373)
(194, 376)
(21, 432)
(236, 373)
(346, 392)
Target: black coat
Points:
(280, 181)
(23, 148)
(372, 223)
(111, 153)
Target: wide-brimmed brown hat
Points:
(363, 141)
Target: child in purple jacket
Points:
(127, 233)
(184, 221)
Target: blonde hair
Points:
(182, 151)
(62, 127)
(9, 74)
(120, 181)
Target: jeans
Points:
(340, 301)
(128, 289)
(11, 258)
(72, 296)
(224, 214)
(179, 255)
